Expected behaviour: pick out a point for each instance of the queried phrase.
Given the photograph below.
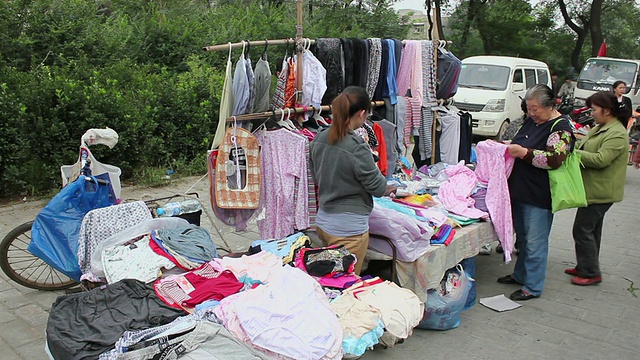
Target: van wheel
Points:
(503, 129)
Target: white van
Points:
(491, 88)
(599, 74)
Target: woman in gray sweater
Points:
(347, 176)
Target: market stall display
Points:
(283, 298)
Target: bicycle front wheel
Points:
(25, 268)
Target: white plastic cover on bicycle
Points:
(91, 137)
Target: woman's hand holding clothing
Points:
(390, 190)
(517, 151)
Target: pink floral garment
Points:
(455, 193)
(284, 204)
(493, 168)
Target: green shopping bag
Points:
(567, 188)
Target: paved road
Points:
(567, 322)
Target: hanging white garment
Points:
(314, 80)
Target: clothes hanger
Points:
(247, 54)
(316, 116)
(320, 120)
(264, 52)
(230, 47)
(282, 122)
(243, 47)
(288, 121)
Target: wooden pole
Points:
(295, 110)
(299, 64)
(238, 45)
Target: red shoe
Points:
(571, 271)
(577, 280)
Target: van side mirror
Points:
(517, 87)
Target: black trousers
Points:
(587, 234)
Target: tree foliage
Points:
(543, 32)
(136, 66)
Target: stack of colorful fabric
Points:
(332, 266)
(188, 247)
(443, 236)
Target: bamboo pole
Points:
(295, 110)
(238, 45)
(299, 65)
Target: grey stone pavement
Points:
(567, 322)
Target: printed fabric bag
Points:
(567, 187)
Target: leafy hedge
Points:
(135, 66)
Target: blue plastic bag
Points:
(54, 234)
(442, 312)
(469, 266)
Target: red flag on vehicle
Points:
(603, 49)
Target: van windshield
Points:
(600, 74)
(477, 76)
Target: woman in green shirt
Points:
(604, 160)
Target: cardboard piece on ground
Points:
(499, 303)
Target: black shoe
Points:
(507, 279)
(499, 249)
(520, 295)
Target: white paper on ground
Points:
(499, 303)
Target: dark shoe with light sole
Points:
(571, 271)
(508, 279)
(577, 280)
(521, 295)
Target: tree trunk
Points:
(581, 33)
(595, 28)
(471, 12)
(486, 44)
(575, 54)
(439, 20)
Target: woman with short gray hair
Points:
(542, 143)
